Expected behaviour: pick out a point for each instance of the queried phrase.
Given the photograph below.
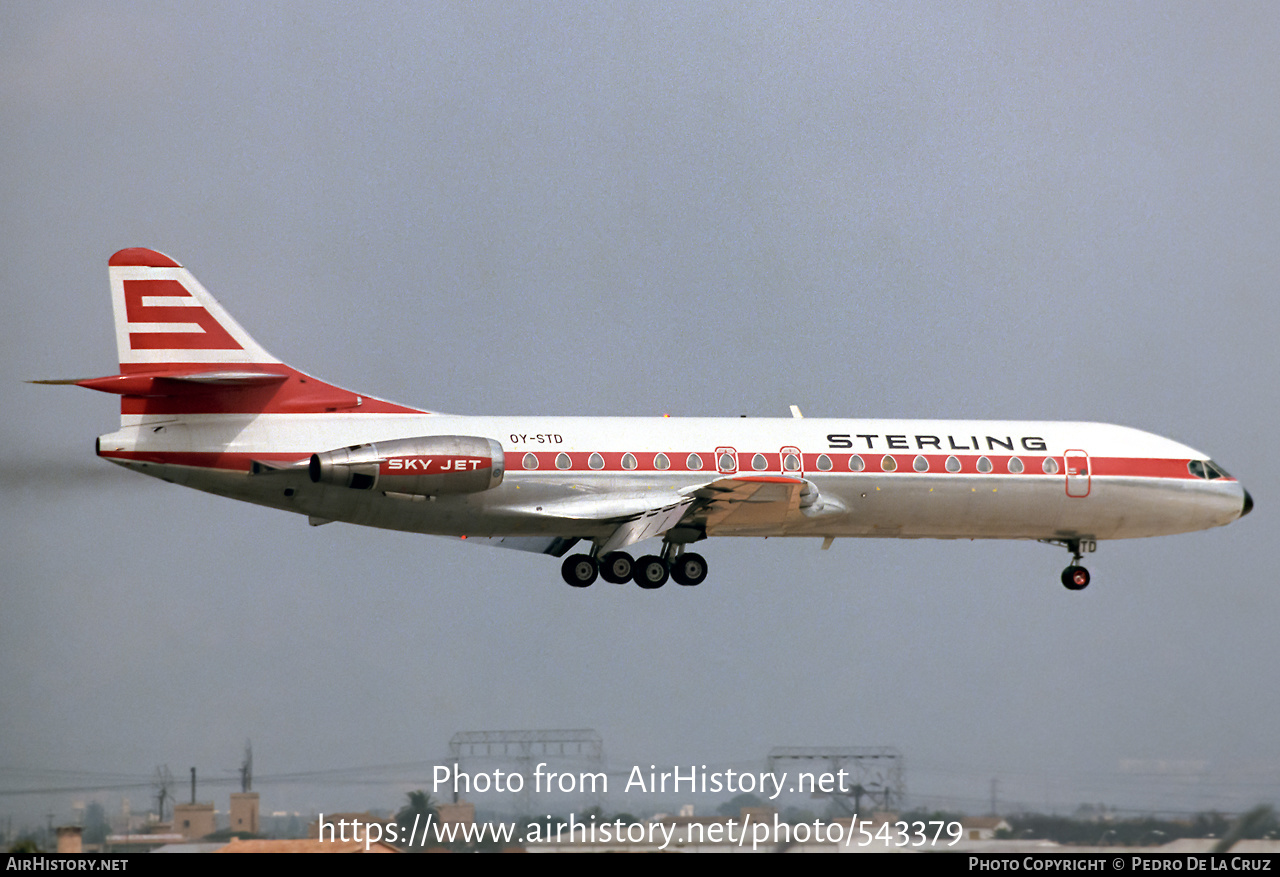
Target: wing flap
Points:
(654, 522)
(747, 502)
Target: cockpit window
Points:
(1206, 469)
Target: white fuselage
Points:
(569, 476)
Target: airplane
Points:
(204, 405)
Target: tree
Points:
(735, 805)
(96, 827)
(420, 810)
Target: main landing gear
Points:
(649, 572)
(1075, 577)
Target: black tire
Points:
(689, 569)
(579, 570)
(617, 567)
(1075, 578)
(651, 572)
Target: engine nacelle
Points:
(431, 465)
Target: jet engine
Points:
(431, 465)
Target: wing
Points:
(743, 504)
(626, 518)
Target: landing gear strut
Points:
(1075, 577)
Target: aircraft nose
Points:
(1248, 504)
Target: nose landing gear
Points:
(1075, 577)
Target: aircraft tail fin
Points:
(165, 317)
(182, 353)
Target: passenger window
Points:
(791, 463)
(727, 463)
(888, 464)
(531, 461)
(563, 461)
(661, 462)
(759, 463)
(920, 464)
(953, 463)
(824, 463)
(628, 461)
(1050, 466)
(856, 464)
(1015, 465)
(694, 462)
(595, 461)
(984, 465)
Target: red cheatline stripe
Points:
(1133, 467)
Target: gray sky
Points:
(1051, 211)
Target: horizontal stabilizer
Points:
(178, 384)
